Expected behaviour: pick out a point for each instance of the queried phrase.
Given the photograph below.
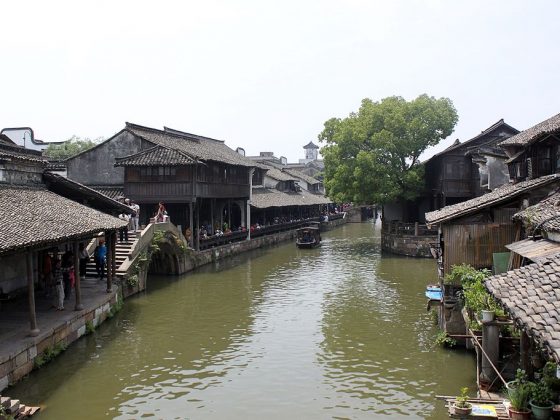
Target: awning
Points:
(535, 250)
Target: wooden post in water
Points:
(77, 279)
(34, 330)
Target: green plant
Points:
(132, 280)
(90, 328)
(116, 307)
(549, 376)
(540, 394)
(49, 354)
(442, 339)
(465, 275)
(474, 325)
(434, 316)
(519, 396)
(461, 401)
(4, 414)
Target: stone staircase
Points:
(14, 409)
(122, 251)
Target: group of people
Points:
(58, 276)
(132, 218)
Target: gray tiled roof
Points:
(500, 194)
(112, 192)
(298, 174)
(199, 147)
(156, 156)
(531, 295)
(525, 137)
(12, 151)
(278, 174)
(548, 208)
(38, 217)
(265, 197)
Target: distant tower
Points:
(311, 151)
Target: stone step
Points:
(5, 401)
(13, 408)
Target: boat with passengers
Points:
(308, 237)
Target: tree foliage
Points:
(70, 147)
(372, 156)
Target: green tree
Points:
(70, 147)
(372, 156)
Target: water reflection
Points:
(338, 331)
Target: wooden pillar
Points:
(34, 330)
(212, 217)
(415, 228)
(191, 225)
(77, 279)
(109, 264)
(114, 259)
(229, 213)
(197, 225)
(525, 357)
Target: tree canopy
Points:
(372, 156)
(70, 147)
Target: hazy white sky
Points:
(265, 75)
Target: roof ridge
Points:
(132, 127)
(184, 133)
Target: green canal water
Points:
(336, 332)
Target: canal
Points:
(335, 332)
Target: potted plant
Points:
(541, 405)
(551, 379)
(461, 406)
(489, 307)
(518, 394)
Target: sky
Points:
(266, 75)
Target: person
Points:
(161, 213)
(67, 267)
(188, 234)
(59, 286)
(47, 273)
(100, 256)
(84, 259)
(135, 215)
(123, 232)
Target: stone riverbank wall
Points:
(410, 239)
(21, 355)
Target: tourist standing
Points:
(135, 215)
(84, 259)
(123, 232)
(67, 267)
(59, 286)
(100, 256)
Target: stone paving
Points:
(18, 348)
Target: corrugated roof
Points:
(546, 211)
(525, 137)
(535, 250)
(156, 156)
(264, 198)
(37, 217)
(531, 295)
(500, 194)
(198, 147)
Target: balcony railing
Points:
(407, 229)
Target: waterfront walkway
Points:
(19, 348)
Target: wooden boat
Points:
(308, 237)
(433, 292)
